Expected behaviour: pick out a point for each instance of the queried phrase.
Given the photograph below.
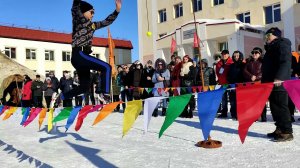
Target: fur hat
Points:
(84, 6)
(275, 31)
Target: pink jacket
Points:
(26, 91)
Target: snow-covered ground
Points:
(103, 145)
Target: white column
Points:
(287, 11)
(232, 43)
(140, 30)
(154, 27)
(58, 62)
(40, 56)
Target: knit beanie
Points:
(84, 6)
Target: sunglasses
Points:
(255, 52)
(92, 12)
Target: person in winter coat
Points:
(78, 98)
(37, 92)
(146, 81)
(48, 89)
(126, 80)
(252, 73)
(117, 88)
(160, 79)
(276, 68)
(186, 75)
(137, 70)
(208, 74)
(66, 84)
(54, 81)
(26, 92)
(175, 76)
(222, 69)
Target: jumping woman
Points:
(82, 36)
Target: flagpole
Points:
(206, 143)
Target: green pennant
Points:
(149, 90)
(176, 107)
(225, 86)
(183, 91)
(64, 114)
(23, 110)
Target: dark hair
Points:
(257, 49)
(275, 31)
(216, 56)
(37, 76)
(241, 55)
(225, 52)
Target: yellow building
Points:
(221, 24)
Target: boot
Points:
(155, 113)
(274, 134)
(283, 137)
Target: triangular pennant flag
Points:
(107, 109)
(132, 111)
(72, 117)
(82, 114)
(159, 91)
(178, 90)
(205, 88)
(293, 89)
(250, 103)
(96, 108)
(142, 90)
(176, 107)
(149, 90)
(42, 116)
(149, 105)
(64, 114)
(32, 116)
(26, 112)
(232, 85)
(199, 88)
(1, 108)
(50, 118)
(194, 89)
(218, 87)
(166, 90)
(4, 109)
(208, 104)
(10, 112)
(183, 90)
(189, 90)
(225, 86)
(212, 87)
(154, 90)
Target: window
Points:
(30, 54)
(218, 2)
(178, 10)
(10, 52)
(298, 1)
(272, 13)
(66, 56)
(49, 55)
(244, 17)
(161, 35)
(223, 46)
(197, 5)
(96, 55)
(162, 15)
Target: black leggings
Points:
(83, 63)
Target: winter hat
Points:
(256, 49)
(204, 60)
(84, 6)
(48, 78)
(275, 31)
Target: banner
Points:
(32, 116)
(132, 111)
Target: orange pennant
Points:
(107, 109)
(205, 88)
(42, 116)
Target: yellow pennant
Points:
(212, 87)
(10, 113)
(132, 111)
(42, 117)
(50, 119)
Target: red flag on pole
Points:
(250, 103)
(173, 45)
(196, 40)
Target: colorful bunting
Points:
(250, 104)
(50, 119)
(208, 104)
(212, 87)
(132, 111)
(176, 107)
(107, 109)
(25, 112)
(4, 109)
(149, 105)
(42, 116)
(64, 114)
(10, 112)
(82, 114)
(72, 117)
(32, 116)
(293, 89)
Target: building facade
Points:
(221, 24)
(44, 51)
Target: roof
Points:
(55, 37)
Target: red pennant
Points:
(196, 40)
(173, 45)
(250, 103)
(159, 90)
(199, 88)
(194, 89)
(81, 116)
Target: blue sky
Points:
(56, 15)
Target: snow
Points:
(103, 145)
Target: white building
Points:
(44, 51)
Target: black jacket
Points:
(144, 82)
(277, 61)
(235, 74)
